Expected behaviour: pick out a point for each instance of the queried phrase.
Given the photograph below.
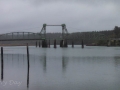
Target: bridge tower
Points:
(64, 31)
(64, 34)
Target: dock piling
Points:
(49, 44)
(2, 63)
(72, 44)
(39, 44)
(36, 43)
(28, 66)
(82, 44)
(55, 43)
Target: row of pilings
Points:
(2, 65)
(63, 43)
(28, 59)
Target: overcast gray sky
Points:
(78, 15)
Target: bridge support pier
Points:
(63, 43)
(55, 43)
(39, 44)
(36, 43)
(82, 44)
(114, 42)
(72, 44)
(108, 43)
(49, 44)
(44, 44)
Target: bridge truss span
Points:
(19, 36)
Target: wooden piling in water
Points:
(108, 43)
(72, 44)
(65, 43)
(114, 42)
(28, 66)
(44, 44)
(39, 44)
(61, 43)
(49, 44)
(82, 44)
(2, 63)
(55, 43)
(36, 43)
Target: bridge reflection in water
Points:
(18, 61)
(61, 69)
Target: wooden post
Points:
(55, 43)
(114, 42)
(28, 66)
(82, 44)
(61, 43)
(44, 44)
(49, 44)
(65, 43)
(39, 44)
(72, 44)
(108, 43)
(2, 63)
(36, 43)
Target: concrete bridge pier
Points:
(44, 44)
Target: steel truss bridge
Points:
(42, 35)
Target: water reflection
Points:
(43, 61)
(62, 71)
(64, 63)
(117, 61)
(28, 68)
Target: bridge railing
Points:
(19, 35)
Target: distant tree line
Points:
(97, 37)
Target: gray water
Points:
(91, 68)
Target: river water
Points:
(91, 68)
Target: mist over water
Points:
(91, 68)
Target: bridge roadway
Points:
(23, 36)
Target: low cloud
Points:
(30, 15)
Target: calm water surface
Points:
(91, 68)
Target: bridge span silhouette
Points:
(43, 36)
